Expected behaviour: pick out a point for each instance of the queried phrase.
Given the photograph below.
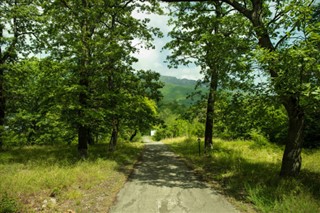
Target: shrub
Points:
(258, 138)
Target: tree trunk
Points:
(90, 137)
(213, 85)
(209, 122)
(291, 161)
(83, 140)
(2, 107)
(114, 137)
(210, 110)
(133, 135)
(83, 129)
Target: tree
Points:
(134, 105)
(143, 112)
(259, 113)
(204, 34)
(94, 37)
(34, 89)
(289, 15)
(18, 24)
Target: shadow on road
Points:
(160, 167)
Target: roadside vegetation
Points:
(55, 179)
(68, 76)
(248, 172)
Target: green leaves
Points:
(208, 40)
(34, 103)
(298, 72)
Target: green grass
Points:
(55, 179)
(248, 173)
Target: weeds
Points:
(248, 171)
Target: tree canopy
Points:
(283, 28)
(84, 85)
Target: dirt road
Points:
(162, 183)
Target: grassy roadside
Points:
(54, 179)
(248, 172)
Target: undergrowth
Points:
(51, 178)
(249, 172)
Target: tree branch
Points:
(241, 8)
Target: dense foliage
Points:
(67, 75)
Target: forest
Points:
(68, 85)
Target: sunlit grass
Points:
(249, 172)
(33, 175)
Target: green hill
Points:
(177, 90)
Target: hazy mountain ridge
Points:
(177, 90)
(177, 81)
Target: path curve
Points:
(162, 183)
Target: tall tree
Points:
(269, 18)
(204, 34)
(18, 28)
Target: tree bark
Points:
(83, 140)
(114, 136)
(292, 160)
(210, 110)
(83, 129)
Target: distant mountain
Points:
(177, 90)
(177, 81)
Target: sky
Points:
(153, 59)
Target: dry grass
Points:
(54, 179)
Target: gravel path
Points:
(162, 183)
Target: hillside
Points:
(177, 90)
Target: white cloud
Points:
(153, 59)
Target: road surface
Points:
(162, 183)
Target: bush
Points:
(162, 134)
(198, 129)
(258, 138)
(137, 138)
